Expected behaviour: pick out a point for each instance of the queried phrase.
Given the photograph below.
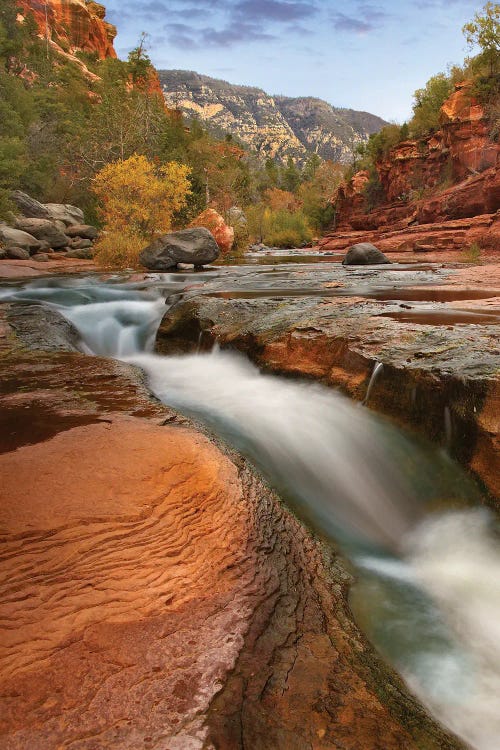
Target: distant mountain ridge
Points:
(275, 126)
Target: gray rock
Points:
(85, 253)
(364, 254)
(16, 238)
(196, 246)
(29, 207)
(85, 231)
(41, 257)
(69, 215)
(17, 253)
(3, 253)
(79, 244)
(44, 230)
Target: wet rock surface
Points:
(180, 604)
(364, 254)
(434, 329)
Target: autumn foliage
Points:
(137, 200)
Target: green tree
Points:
(290, 176)
(484, 30)
(428, 103)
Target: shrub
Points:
(286, 229)
(118, 250)
(428, 103)
(472, 254)
(373, 192)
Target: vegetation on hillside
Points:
(483, 70)
(76, 133)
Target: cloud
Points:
(368, 18)
(274, 10)
(187, 36)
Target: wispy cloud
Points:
(367, 18)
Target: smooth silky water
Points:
(407, 517)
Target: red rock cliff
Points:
(450, 175)
(74, 25)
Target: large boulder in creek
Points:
(69, 215)
(44, 230)
(29, 207)
(11, 237)
(364, 254)
(196, 245)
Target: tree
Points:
(290, 176)
(137, 199)
(428, 103)
(484, 30)
(140, 198)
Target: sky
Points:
(360, 54)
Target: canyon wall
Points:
(74, 25)
(449, 176)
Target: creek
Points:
(404, 514)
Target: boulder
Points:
(17, 238)
(85, 253)
(85, 231)
(70, 215)
(29, 207)
(41, 257)
(17, 253)
(79, 244)
(214, 222)
(364, 254)
(196, 245)
(43, 230)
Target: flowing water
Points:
(428, 591)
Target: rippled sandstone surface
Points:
(154, 592)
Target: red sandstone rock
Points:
(214, 222)
(461, 152)
(155, 594)
(79, 24)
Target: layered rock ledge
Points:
(434, 329)
(154, 592)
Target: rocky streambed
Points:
(156, 592)
(433, 327)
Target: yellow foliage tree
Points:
(138, 199)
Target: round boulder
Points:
(83, 253)
(69, 215)
(41, 257)
(196, 246)
(17, 253)
(17, 238)
(85, 231)
(364, 254)
(44, 230)
(79, 244)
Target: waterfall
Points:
(428, 592)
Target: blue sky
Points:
(360, 54)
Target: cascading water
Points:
(428, 592)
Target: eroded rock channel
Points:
(157, 592)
